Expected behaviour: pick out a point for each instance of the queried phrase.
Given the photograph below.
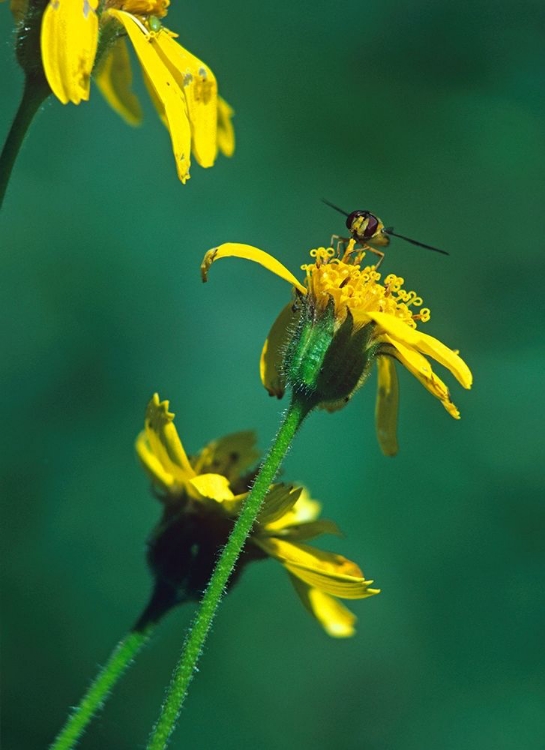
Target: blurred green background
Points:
(431, 114)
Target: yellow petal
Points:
(248, 252)
(326, 571)
(199, 86)
(272, 354)
(226, 132)
(280, 500)
(164, 441)
(230, 455)
(419, 366)
(153, 466)
(335, 618)
(69, 37)
(426, 344)
(166, 88)
(387, 405)
(114, 79)
(157, 103)
(213, 486)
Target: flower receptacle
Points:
(326, 362)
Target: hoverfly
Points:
(369, 231)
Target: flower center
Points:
(356, 288)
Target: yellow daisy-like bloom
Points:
(182, 87)
(370, 321)
(203, 495)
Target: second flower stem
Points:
(35, 93)
(183, 673)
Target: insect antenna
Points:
(390, 231)
(332, 205)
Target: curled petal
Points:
(387, 405)
(153, 466)
(248, 252)
(166, 87)
(272, 354)
(429, 345)
(164, 441)
(334, 617)
(114, 80)
(333, 574)
(69, 37)
(226, 132)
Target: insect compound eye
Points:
(372, 226)
(355, 215)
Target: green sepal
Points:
(307, 349)
(325, 366)
(347, 362)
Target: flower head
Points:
(342, 320)
(202, 496)
(84, 37)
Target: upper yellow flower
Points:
(358, 320)
(203, 496)
(182, 87)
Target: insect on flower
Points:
(369, 231)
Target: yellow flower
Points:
(182, 87)
(202, 497)
(342, 319)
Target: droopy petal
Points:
(157, 103)
(166, 87)
(335, 618)
(69, 37)
(272, 354)
(213, 486)
(387, 405)
(226, 132)
(248, 252)
(333, 574)
(199, 86)
(230, 455)
(114, 79)
(164, 441)
(426, 344)
(419, 366)
(279, 501)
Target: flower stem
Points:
(94, 698)
(35, 92)
(185, 668)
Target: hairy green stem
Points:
(35, 93)
(94, 698)
(216, 587)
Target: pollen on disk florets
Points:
(358, 289)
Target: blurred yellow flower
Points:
(182, 87)
(370, 320)
(203, 495)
